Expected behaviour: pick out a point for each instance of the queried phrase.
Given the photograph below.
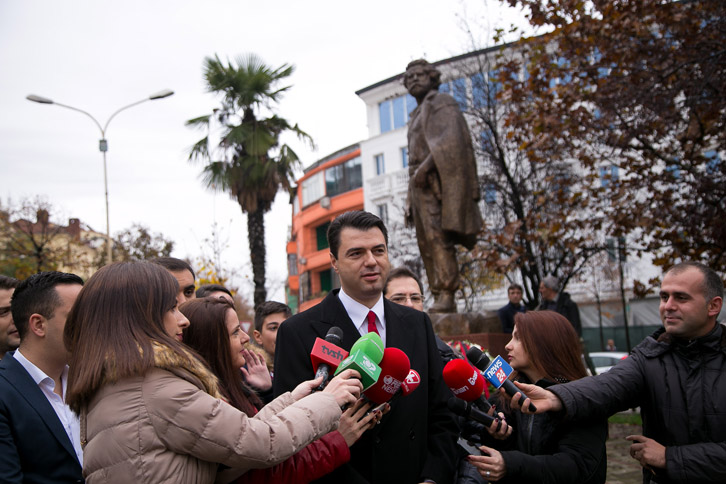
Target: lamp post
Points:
(103, 145)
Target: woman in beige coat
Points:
(151, 411)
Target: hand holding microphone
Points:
(346, 387)
(498, 374)
(326, 355)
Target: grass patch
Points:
(626, 418)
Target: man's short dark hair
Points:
(173, 264)
(358, 219)
(267, 308)
(400, 272)
(8, 282)
(515, 287)
(208, 289)
(37, 295)
(712, 283)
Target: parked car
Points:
(604, 360)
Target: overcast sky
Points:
(101, 55)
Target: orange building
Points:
(331, 186)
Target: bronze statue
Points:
(443, 188)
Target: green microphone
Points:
(364, 357)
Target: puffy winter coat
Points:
(313, 462)
(164, 427)
(681, 389)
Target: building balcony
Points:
(383, 186)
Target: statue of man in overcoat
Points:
(443, 188)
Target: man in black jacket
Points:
(678, 378)
(506, 313)
(559, 302)
(415, 441)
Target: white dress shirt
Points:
(67, 418)
(358, 313)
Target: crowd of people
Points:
(137, 375)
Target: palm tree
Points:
(249, 163)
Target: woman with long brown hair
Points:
(215, 334)
(544, 350)
(150, 409)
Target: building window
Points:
(410, 105)
(380, 164)
(490, 194)
(344, 177)
(384, 113)
(313, 189)
(404, 157)
(608, 174)
(326, 280)
(292, 264)
(399, 112)
(714, 160)
(383, 212)
(394, 113)
(459, 92)
(305, 288)
(321, 236)
(674, 171)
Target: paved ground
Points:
(622, 469)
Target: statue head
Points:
(421, 77)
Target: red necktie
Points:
(372, 322)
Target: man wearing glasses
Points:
(403, 287)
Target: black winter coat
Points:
(546, 450)
(681, 389)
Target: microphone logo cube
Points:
(498, 371)
(369, 370)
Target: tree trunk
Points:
(256, 239)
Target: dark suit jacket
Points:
(506, 316)
(417, 437)
(34, 447)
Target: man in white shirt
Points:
(39, 435)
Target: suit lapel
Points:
(334, 314)
(19, 378)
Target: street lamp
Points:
(103, 145)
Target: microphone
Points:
(326, 355)
(498, 375)
(466, 383)
(477, 358)
(469, 411)
(364, 357)
(408, 385)
(412, 381)
(395, 366)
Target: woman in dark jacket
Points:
(215, 334)
(544, 350)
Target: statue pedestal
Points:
(483, 329)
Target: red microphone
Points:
(413, 379)
(466, 382)
(395, 367)
(326, 355)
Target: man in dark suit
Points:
(514, 306)
(415, 441)
(39, 435)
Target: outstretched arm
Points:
(544, 400)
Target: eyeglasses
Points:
(401, 298)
